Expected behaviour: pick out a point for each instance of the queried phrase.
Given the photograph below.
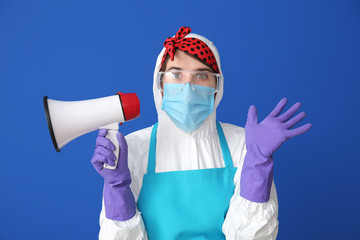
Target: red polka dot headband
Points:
(192, 46)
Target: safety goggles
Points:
(201, 78)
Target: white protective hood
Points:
(165, 123)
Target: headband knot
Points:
(170, 42)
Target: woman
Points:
(189, 176)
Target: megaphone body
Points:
(68, 120)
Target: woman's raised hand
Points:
(262, 140)
(275, 129)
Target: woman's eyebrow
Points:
(203, 69)
(176, 68)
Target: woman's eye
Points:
(176, 75)
(201, 76)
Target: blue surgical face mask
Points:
(187, 105)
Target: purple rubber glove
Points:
(262, 140)
(118, 198)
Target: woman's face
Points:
(183, 61)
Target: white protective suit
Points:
(177, 150)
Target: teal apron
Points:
(186, 204)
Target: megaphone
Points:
(68, 120)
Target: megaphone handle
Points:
(112, 130)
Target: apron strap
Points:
(224, 146)
(152, 148)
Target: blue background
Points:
(305, 50)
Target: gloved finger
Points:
(122, 141)
(297, 131)
(110, 162)
(103, 132)
(252, 115)
(290, 112)
(105, 152)
(104, 142)
(98, 162)
(100, 159)
(279, 107)
(98, 166)
(292, 122)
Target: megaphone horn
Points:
(68, 120)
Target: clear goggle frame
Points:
(201, 78)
